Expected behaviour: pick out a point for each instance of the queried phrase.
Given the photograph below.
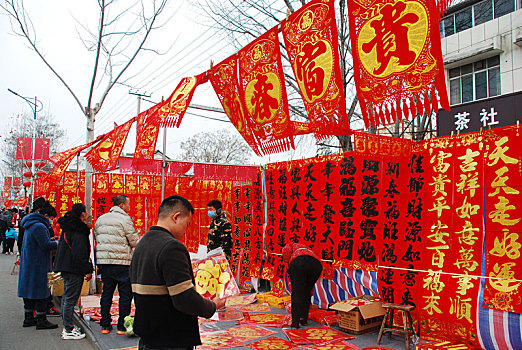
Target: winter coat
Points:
(35, 261)
(7, 216)
(11, 233)
(115, 237)
(220, 233)
(74, 248)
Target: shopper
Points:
(304, 269)
(220, 230)
(35, 263)
(167, 305)
(115, 238)
(6, 220)
(10, 238)
(73, 262)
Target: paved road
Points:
(12, 335)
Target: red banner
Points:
(104, 156)
(146, 138)
(310, 36)
(263, 91)
(223, 78)
(172, 110)
(396, 58)
(24, 148)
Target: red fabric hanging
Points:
(396, 56)
(224, 172)
(146, 138)
(311, 41)
(104, 156)
(263, 92)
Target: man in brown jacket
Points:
(115, 238)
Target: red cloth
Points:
(293, 250)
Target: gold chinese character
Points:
(499, 215)
(464, 284)
(432, 304)
(437, 259)
(466, 259)
(505, 274)
(508, 246)
(439, 206)
(461, 308)
(433, 282)
(438, 159)
(468, 163)
(438, 236)
(439, 183)
(500, 183)
(500, 153)
(466, 209)
(467, 234)
(468, 182)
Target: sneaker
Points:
(106, 330)
(72, 335)
(54, 312)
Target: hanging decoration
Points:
(397, 59)
(146, 138)
(263, 91)
(104, 156)
(223, 78)
(171, 111)
(310, 37)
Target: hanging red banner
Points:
(172, 110)
(223, 78)
(24, 148)
(146, 138)
(310, 36)
(104, 156)
(263, 91)
(397, 58)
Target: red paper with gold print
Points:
(173, 109)
(214, 278)
(397, 58)
(502, 178)
(266, 320)
(314, 335)
(246, 333)
(117, 184)
(223, 78)
(310, 36)
(335, 345)
(263, 92)
(272, 343)
(255, 308)
(240, 300)
(146, 138)
(218, 340)
(104, 156)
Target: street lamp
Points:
(36, 106)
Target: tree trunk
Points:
(88, 168)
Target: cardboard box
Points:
(57, 287)
(358, 316)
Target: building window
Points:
(477, 14)
(475, 81)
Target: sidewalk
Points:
(12, 335)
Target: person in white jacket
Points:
(115, 238)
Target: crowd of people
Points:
(155, 270)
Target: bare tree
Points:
(122, 33)
(22, 126)
(219, 146)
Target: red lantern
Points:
(40, 173)
(27, 174)
(28, 164)
(39, 164)
(27, 184)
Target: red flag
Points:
(104, 156)
(263, 91)
(310, 36)
(24, 148)
(397, 58)
(172, 110)
(146, 137)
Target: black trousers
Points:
(40, 305)
(304, 271)
(112, 276)
(9, 242)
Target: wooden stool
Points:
(405, 329)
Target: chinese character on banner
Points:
(310, 36)
(397, 59)
(146, 138)
(263, 92)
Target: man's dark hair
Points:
(48, 209)
(119, 199)
(13, 210)
(76, 210)
(215, 204)
(38, 203)
(175, 204)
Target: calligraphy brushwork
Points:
(397, 58)
(310, 37)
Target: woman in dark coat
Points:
(304, 269)
(35, 263)
(73, 262)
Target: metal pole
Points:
(33, 145)
(78, 177)
(163, 164)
